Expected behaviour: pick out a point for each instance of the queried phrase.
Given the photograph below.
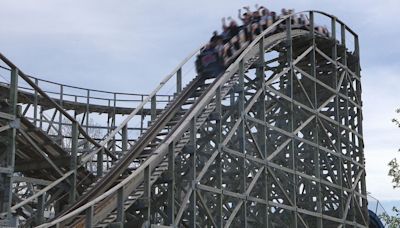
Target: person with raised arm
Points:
(234, 33)
(264, 17)
(246, 20)
(245, 17)
(225, 31)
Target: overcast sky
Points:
(114, 45)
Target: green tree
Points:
(394, 166)
(393, 221)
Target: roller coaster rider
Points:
(223, 48)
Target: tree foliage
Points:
(393, 221)
(394, 166)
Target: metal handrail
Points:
(80, 88)
(47, 97)
(93, 97)
(161, 98)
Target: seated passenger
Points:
(248, 32)
(229, 31)
(214, 39)
(225, 35)
(235, 43)
(294, 17)
(245, 18)
(325, 31)
(234, 33)
(242, 37)
(234, 29)
(256, 17)
(227, 52)
(263, 25)
(220, 48)
(256, 28)
(319, 29)
(225, 31)
(273, 17)
(264, 18)
(302, 20)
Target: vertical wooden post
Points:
(73, 162)
(35, 104)
(120, 208)
(60, 118)
(89, 217)
(218, 123)
(193, 199)
(290, 88)
(7, 162)
(171, 184)
(40, 209)
(179, 81)
(242, 143)
(261, 128)
(153, 110)
(100, 163)
(147, 193)
(124, 143)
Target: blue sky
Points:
(115, 45)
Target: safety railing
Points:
(62, 93)
(83, 103)
(156, 100)
(150, 164)
(18, 77)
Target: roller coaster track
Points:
(276, 141)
